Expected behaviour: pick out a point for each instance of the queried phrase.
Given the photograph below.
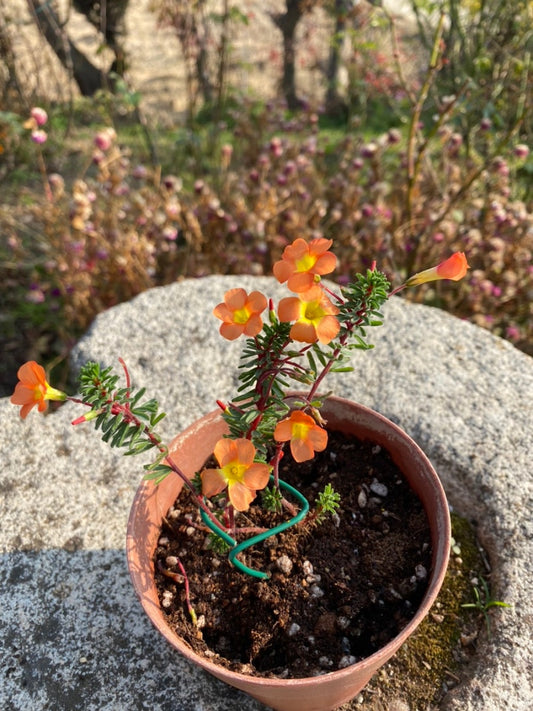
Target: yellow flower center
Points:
(39, 392)
(313, 311)
(241, 316)
(305, 263)
(234, 472)
(300, 430)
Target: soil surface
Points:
(338, 590)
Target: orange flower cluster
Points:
(301, 266)
(313, 318)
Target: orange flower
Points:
(452, 268)
(306, 437)
(33, 389)
(314, 316)
(240, 313)
(302, 264)
(238, 472)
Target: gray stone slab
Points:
(72, 635)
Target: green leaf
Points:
(140, 447)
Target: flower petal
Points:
(282, 270)
(289, 309)
(454, 267)
(253, 326)
(245, 451)
(257, 301)
(303, 332)
(212, 482)
(235, 299)
(318, 438)
(326, 263)
(257, 476)
(319, 245)
(225, 451)
(22, 395)
(222, 312)
(231, 331)
(301, 450)
(300, 282)
(327, 329)
(283, 431)
(240, 496)
(31, 373)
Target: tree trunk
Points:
(287, 25)
(335, 106)
(88, 77)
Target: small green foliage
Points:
(217, 544)
(363, 299)
(328, 501)
(483, 603)
(124, 419)
(272, 499)
(196, 481)
(157, 471)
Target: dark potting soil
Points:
(338, 590)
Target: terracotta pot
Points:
(190, 449)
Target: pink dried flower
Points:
(56, 180)
(173, 184)
(276, 147)
(39, 115)
(394, 136)
(500, 166)
(290, 168)
(170, 234)
(35, 295)
(140, 172)
(456, 139)
(104, 139)
(369, 150)
(521, 150)
(39, 136)
(512, 333)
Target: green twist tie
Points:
(260, 537)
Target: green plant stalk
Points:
(484, 605)
(417, 110)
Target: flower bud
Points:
(521, 150)
(39, 115)
(39, 136)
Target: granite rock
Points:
(73, 635)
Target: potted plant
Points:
(263, 488)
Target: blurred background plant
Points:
(408, 148)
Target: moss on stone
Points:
(434, 658)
